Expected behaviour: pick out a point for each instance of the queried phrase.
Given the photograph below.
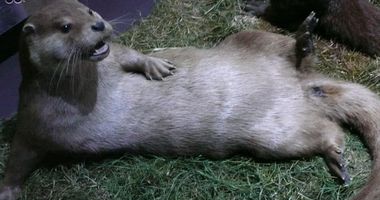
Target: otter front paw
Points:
(157, 68)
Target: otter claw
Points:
(148, 76)
(311, 22)
(170, 63)
(172, 67)
(346, 179)
(158, 69)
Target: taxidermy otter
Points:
(355, 23)
(252, 94)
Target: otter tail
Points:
(354, 105)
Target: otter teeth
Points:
(101, 50)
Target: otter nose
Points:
(99, 26)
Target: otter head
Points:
(65, 33)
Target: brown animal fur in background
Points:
(355, 23)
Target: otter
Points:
(62, 47)
(254, 93)
(354, 23)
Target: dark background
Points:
(125, 12)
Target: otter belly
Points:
(215, 104)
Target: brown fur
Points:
(352, 22)
(246, 97)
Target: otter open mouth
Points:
(100, 51)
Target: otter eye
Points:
(66, 28)
(90, 12)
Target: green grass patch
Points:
(177, 23)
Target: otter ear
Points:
(29, 28)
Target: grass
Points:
(203, 24)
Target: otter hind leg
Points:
(304, 42)
(22, 161)
(333, 152)
(325, 138)
(256, 7)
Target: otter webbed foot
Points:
(157, 68)
(310, 23)
(335, 161)
(256, 7)
(304, 39)
(304, 44)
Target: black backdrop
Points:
(12, 14)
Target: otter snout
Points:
(98, 26)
